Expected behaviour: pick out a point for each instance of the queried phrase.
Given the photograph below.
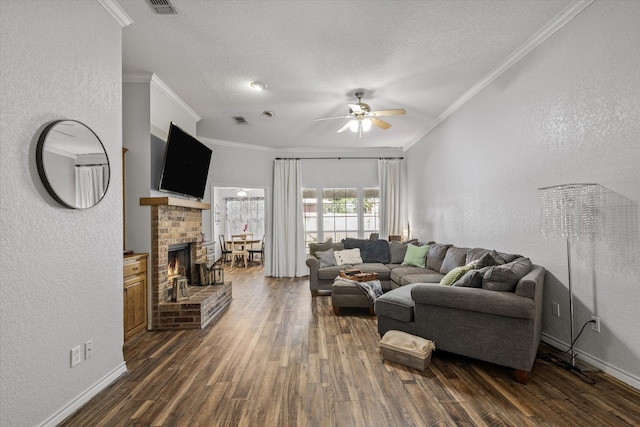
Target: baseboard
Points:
(85, 396)
(615, 372)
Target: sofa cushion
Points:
(456, 273)
(348, 256)
(416, 256)
(475, 253)
(505, 277)
(330, 273)
(396, 304)
(432, 277)
(470, 279)
(325, 258)
(370, 250)
(375, 267)
(455, 257)
(488, 259)
(405, 270)
(437, 252)
(398, 250)
(314, 247)
(507, 258)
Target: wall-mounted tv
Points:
(186, 164)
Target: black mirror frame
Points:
(43, 174)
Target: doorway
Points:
(237, 210)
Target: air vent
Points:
(240, 120)
(162, 7)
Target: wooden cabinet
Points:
(135, 294)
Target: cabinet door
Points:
(135, 303)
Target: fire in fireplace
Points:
(179, 262)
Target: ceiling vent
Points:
(240, 120)
(162, 7)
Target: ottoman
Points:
(345, 294)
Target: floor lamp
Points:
(569, 212)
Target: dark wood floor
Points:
(279, 357)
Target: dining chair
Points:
(239, 251)
(223, 247)
(253, 252)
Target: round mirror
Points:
(72, 164)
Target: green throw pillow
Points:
(416, 256)
(455, 274)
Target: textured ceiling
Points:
(417, 55)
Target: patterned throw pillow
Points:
(348, 256)
(455, 274)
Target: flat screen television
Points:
(186, 164)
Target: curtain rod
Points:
(339, 158)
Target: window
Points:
(338, 213)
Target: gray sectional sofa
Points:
(491, 311)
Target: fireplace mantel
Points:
(173, 201)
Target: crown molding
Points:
(117, 12)
(231, 144)
(136, 77)
(155, 81)
(534, 41)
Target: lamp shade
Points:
(569, 211)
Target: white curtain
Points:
(90, 185)
(392, 179)
(244, 215)
(287, 245)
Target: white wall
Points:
(249, 166)
(568, 112)
(136, 119)
(61, 268)
(149, 106)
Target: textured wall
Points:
(61, 268)
(568, 112)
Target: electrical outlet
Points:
(555, 309)
(75, 356)
(595, 323)
(88, 349)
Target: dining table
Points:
(248, 242)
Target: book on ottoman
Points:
(407, 349)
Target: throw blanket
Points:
(372, 289)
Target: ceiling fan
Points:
(362, 117)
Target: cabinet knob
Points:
(135, 269)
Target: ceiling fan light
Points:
(353, 125)
(258, 85)
(366, 125)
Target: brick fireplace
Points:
(179, 222)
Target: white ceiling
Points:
(422, 56)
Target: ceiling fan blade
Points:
(356, 108)
(380, 123)
(345, 127)
(334, 117)
(392, 112)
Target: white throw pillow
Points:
(348, 256)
